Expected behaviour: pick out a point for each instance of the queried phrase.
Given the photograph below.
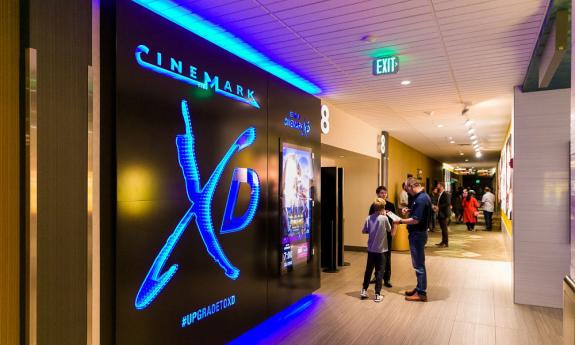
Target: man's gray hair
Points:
(412, 182)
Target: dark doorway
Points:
(331, 218)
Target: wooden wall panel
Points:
(9, 173)
(60, 32)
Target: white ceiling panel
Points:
(453, 51)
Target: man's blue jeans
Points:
(417, 241)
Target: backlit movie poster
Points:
(296, 205)
(506, 179)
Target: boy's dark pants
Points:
(374, 260)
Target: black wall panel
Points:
(152, 196)
(284, 289)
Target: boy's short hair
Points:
(379, 189)
(378, 204)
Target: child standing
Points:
(376, 226)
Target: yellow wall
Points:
(507, 223)
(405, 160)
(9, 173)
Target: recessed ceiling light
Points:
(468, 123)
(474, 142)
(467, 160)
(452, 142)
(471, 131)
(341, 156)
(405, 83)
(369, 38)
(478, 154)
(440, 126)
(473, 137)
(461, 153)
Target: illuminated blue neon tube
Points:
(200, 210)
(225, 40)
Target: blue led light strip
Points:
(220, 37)
(143, 50)
(283, 324)
(201, 210)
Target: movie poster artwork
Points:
(506, 179)
(296, 205)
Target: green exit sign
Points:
(386, 65)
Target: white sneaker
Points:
(378, 298)
(363, 293)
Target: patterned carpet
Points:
(482, 245)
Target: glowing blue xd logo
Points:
(201, 210)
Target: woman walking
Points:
(470, 212)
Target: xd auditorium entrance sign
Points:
(199, 134)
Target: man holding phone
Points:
(417, 226)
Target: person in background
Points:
(403, 197)
(488, 205)
(376, 225)
(434, 200)
(417, 226)
(456, 204)
(470, 212)
(443, 211)
(381, 192)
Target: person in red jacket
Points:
(470, 212)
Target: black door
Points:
(331, 218)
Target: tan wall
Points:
(360, 182)
(9, 173)
(350, 133)
(404, 159)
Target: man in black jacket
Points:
(443, 209)
(381, 192)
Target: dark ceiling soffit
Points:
(562, 78)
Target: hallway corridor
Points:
(470, 302)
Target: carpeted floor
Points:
(483, 245)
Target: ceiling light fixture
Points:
(474, 142)
(468, 123)
(440, 126)
(452, 142)
(461, 153)
(465, 108)
(471, 131)
(473, 137)
(369, 38)
(478, 154)
(407, 82)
